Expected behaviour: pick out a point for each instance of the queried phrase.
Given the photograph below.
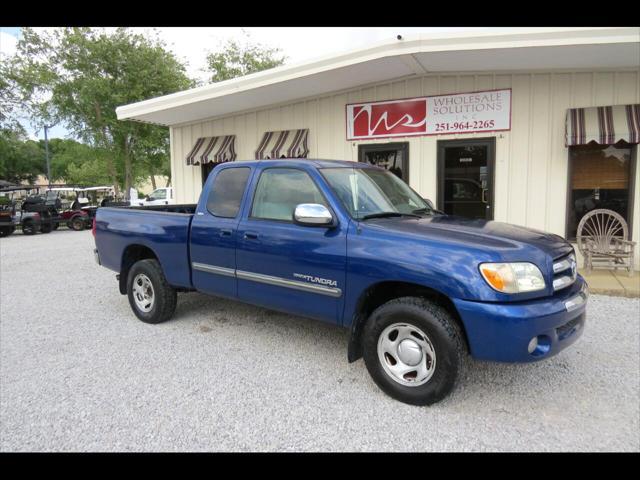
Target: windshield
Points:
(367, 192)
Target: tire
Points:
(440, 353)
(28, 227)
(46, 227)
(163, 297)
(6, 231)
(56, 225)
(77, 224)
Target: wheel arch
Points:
(380, 293)
(131, 255)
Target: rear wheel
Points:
(77, 224)
(413, 349)
(151, 298)
(6, 231)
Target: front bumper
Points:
(503, 331)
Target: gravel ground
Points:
(79, 372)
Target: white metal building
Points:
(534, 128)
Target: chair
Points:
(603, 240)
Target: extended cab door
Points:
(284, 265)
(214, 231)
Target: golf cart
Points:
(90, 198)
(65, 207)
(29, 213)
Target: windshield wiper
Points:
(388, 214)
(429, 211)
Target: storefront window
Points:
(600, 177)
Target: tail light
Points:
(93, 227)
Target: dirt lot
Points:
(79, 372)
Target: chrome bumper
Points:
(577, 300)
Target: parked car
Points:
(160, 196)
(353, 245)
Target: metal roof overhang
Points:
(543, 49)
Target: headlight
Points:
(513, 277)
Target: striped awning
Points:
(604, 125)
(283, 144)
(212, 150)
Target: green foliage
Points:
(80, 75)
(20, 159)
(236, 60)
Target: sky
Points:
(298, 44)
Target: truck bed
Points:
(163, 229)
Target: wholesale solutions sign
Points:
(487, 111)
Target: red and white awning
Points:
(283, 144)
(212, 150)
(603, 125)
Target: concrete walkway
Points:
(610, 282)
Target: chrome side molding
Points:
(269, 280)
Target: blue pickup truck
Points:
(353, 245)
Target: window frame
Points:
(255, 190)
(633, 164)
(206, 205)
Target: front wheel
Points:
(28, 227)
(151, 298)
(413, 350)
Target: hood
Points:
(498, 236)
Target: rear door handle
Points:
(226, 232)
(251, 235)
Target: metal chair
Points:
(603, 240)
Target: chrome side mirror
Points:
(312, 214)
(429, 203)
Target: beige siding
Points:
(531, 159)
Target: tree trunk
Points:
(111, 168)
(153, 181)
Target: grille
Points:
(565, 272)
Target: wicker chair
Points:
(603, 240)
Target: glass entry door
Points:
(465, 177)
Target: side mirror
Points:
(147, 198)
(312, 214)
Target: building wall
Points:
(531, 159)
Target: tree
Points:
(20, 159)
(80, 75)
(236, 60)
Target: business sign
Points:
(488, 111)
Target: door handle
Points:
(226, 232)
(484, 195)
(251, 235)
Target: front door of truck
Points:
(284, 265)
(214, 233)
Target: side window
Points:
(280, 190)
(226, 192)
(158, 195)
